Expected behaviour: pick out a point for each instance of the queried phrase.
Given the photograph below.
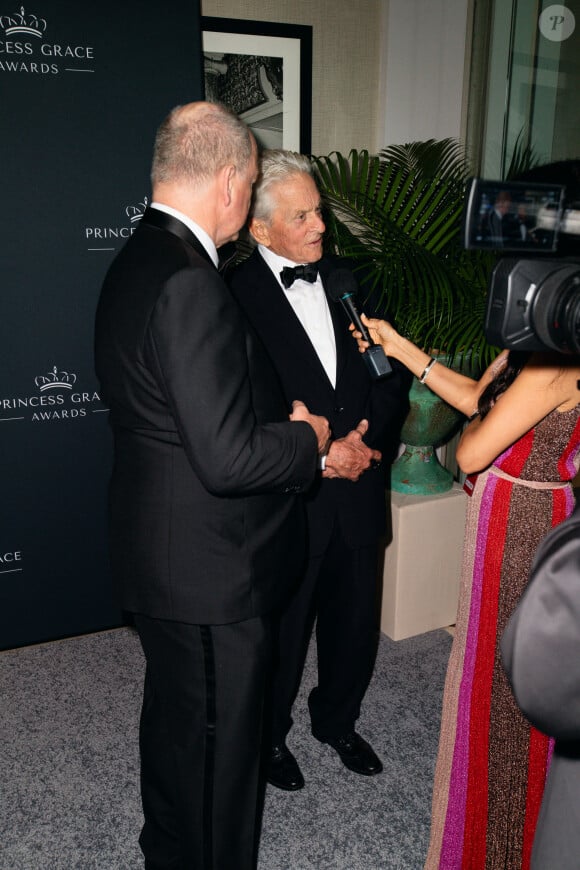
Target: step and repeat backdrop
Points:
(83, 87)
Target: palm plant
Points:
(397, 216)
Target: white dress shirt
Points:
(308, 302)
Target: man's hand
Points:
(349, 457)
(320, 425)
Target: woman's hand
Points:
(380, 331)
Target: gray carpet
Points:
(69, 789)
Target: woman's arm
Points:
(458, 390)
(546, 382)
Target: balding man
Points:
(206, 531)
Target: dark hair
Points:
(516, 360)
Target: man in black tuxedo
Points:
(206, 530)
(306, 335)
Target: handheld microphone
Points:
(341, 286)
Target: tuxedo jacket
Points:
(359, 507)
(205, 523)
(541, 654)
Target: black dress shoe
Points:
(355, 753)
(283, 770)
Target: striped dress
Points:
(492, 764)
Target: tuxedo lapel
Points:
(342, 334)
(275, 320)
(163, 221)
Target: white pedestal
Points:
(423, 563)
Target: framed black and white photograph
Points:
(263, 72)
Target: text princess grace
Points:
(26, 57)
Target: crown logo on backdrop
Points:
(21, 22)
(135, 212)
(55, 379)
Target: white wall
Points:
(423, 73)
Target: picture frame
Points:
(262, 71)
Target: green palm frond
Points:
(397, 216)
(431, 158)
(523, 157)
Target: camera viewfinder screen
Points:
(512, 216)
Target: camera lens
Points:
(556, 308)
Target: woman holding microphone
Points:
(523, 441)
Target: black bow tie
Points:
(289, 274)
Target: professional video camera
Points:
(534, 298)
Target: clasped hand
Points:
(320, 425)
(346, 457)
(349, 457)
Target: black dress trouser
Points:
(200, 734)
(339, 591)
